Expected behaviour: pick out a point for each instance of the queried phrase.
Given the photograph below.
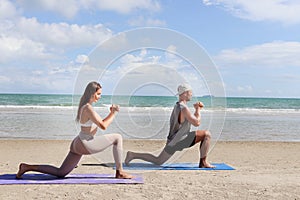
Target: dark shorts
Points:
(189, 141)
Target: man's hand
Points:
(198, 105)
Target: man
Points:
(180, 136)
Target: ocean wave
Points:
(152, 109)
(36, 107)
(261, 110)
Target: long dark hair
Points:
(90, 90)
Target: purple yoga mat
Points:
(8, 179)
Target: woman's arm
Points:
(102, 123)
(108, 120)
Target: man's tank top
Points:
(177, 129)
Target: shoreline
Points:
(263, 170)
(157, 140)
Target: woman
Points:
(86, 142)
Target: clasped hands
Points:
(114, 108)
(198, 105)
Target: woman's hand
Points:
(114, 108)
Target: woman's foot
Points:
(22, 169)
(128, 158)
(123, 175)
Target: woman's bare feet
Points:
(22, 169)
(123, 175)
(128, 158)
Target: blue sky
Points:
(255, 45)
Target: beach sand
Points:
(264, 170)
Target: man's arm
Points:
(194, 119)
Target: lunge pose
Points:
(180, 136)
(86, 142)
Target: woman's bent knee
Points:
(118, 137)
(61, 173)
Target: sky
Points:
(45, 46)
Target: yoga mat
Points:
(175, 166)
(8, 179)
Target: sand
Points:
(264, 170)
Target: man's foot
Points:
(205, 164)
(123, 175)
(128, 158)
(22, 169)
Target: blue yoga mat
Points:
(8, 179)
(175, 166)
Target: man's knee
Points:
(162, 158)
(203, 133)
(159, 162)
(207, 134)
(62, 174)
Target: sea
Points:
(52, 117)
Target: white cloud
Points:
(273, 54)
(70, 8)
(66, 8)
(284, 11)
(7, 10)
(28, 39)
(142, 21)
(82, 59)
(254, 70)
(37, 73)
(122, 6)
(241, 90)
(147, 66)
(41, 54)
(245, 89)
(119, 41)
(143, 52)
(172, 59)
(172, 48)
(13, 48)
(62, 34)
(61, 70)
(4, 79)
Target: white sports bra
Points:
(89, 123)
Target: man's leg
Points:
(158, 160)
(203, 136)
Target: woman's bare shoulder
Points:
(87, 108)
